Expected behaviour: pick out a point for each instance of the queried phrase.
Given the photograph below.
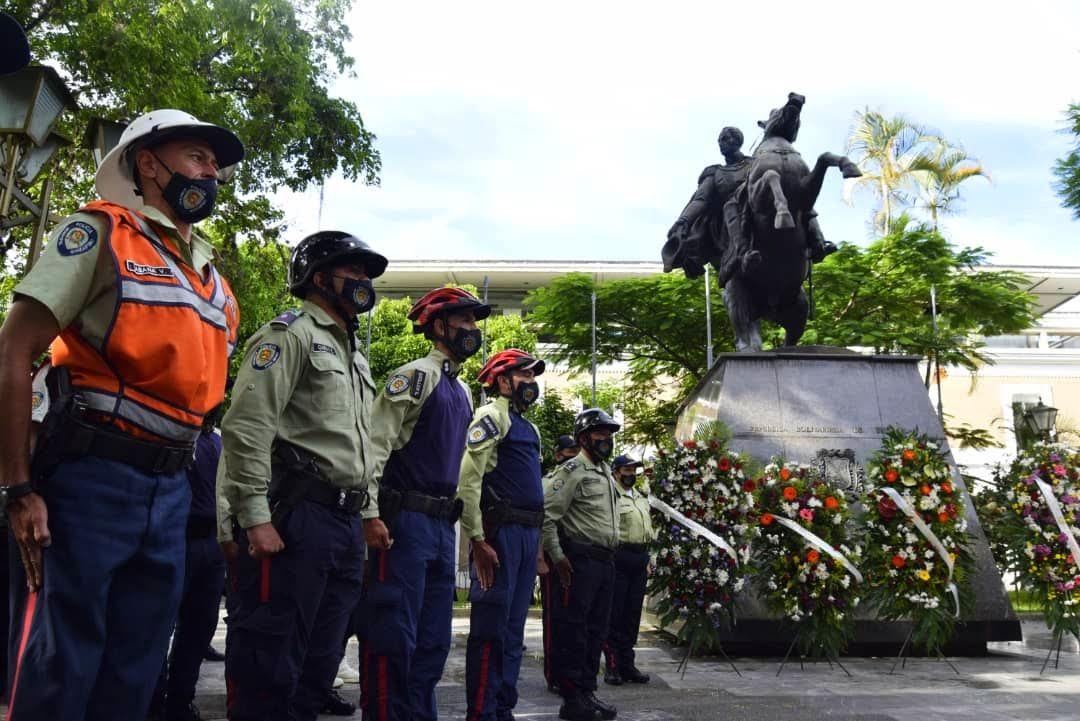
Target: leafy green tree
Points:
(261, 68)
(554, 418)
(938, 176)
(1067, 169)
(609, 396)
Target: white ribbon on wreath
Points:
(1059, 518)
(930, 536)
(694, 527)
(820, 544)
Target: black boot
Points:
(606, 710)
(212, 654)
(632, 675)
(188, 713)
(612, 676)
(575, 708)
(335, 705)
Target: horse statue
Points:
(769, 226)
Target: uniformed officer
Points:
(502, 513)
(631, 572)
(423, 414)
(141, 326)
(581, 530)
(299, 429)
(565, 449)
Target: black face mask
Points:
(359, 292)
(601, 448)
(465, 343)
(192, 199)
(628, 481)
(525, 394)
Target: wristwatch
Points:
(14, 492)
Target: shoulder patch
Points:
(287, 318)
(36, 399)
(483, 430)
(397, 384)
(265, 355)
(322, 348)
(557, 483)
(76, 238)
(418, 383)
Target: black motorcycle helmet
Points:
(330, 247)
(592, 418)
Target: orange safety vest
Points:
(163, 361)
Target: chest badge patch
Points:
(265, 356)
(77, 238)
(397, 384)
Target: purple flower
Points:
(1062, 538)
(1030, 481)
(1055, 458)
(1041, 551)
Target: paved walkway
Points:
(1005, 686)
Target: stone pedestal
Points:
(817, 402)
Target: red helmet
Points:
(505, 361)
(445, 300)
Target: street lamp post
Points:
(1040, 420)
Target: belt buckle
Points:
(342, 496)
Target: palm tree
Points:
(938, 176)
(886, 150)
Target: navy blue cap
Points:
(564, 443)
(621, 461)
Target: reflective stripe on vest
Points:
(162, 364)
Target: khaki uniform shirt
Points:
(300, 383)
(635, 523)
(79, 284)
(580, 496)
(397, 409)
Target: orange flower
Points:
(766, 519)
(946, 487)
(813, 556)
(790, 493)
(943, 517)
(925, 489)
(785, 474)
(831, 503)
(908, 454)
(898, 561)
(892, 475)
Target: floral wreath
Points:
(806, 560)
(917, 560)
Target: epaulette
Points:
(287, 318)
(569, 465)
(707, 173)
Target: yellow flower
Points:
(923, 574)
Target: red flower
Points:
(785, 474)
(908, 454)
(946, 487)
(790, 493)
(689, 444)
(813, 556)
(892, 475)
(748, 485)
(725, 464)
(886, 508)
(766, 519)
(925, 489)
(898, 561)
(713, 445)
(943, 517)
(831, 503)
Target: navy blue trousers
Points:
(579, 620)
(497, 625)
(204, 579)
(290, 614)
(631, 573)
(90, 643)
(410, 596)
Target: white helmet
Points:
(114, 180)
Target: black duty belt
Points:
(201, 527)
(524, 517)
(634, 547)
(350, 500)
(441, 507)
(592, 550)
(79, 438)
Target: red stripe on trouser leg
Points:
(481, 688)
(230, 693)
(28, 619)
(264, 580)
(547, 626)
(384, 692)
(609, 655)
(366, 655)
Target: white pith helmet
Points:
(114, 181)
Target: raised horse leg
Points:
(767, 187)
(743, 315)
(811, 184)
(792, 318)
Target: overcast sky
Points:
(577, 130)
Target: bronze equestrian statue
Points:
(753, 219)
